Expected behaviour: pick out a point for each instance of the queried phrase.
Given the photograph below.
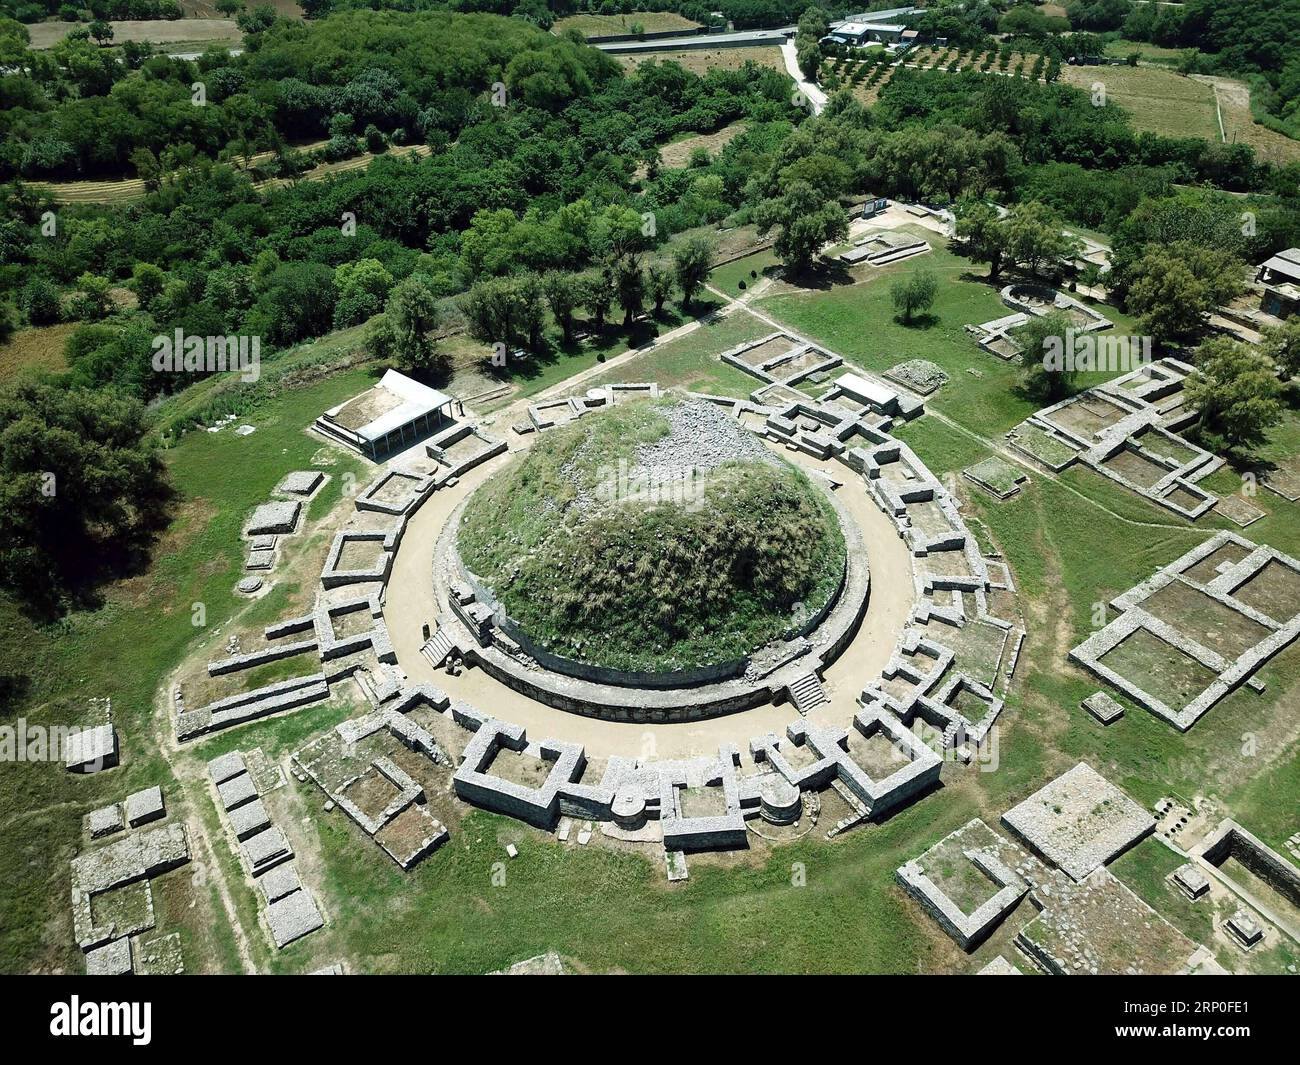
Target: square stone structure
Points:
(1244, 929)
(249, 819)
(145, 806)
(266, 849)
(999, 966)
(1080, 821)
(281, 881)
(226, 766)
(112, 959)
(292, 917)
(1103, 707)
(92, 749)
(1191, 881)
(105, 821)
(236, 791)
(300, 482)
(978, 852)
(279, 516)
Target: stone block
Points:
(293, 917)
(1079, 821)
(145, 806)
(277, 517)
(105, 821)
(225, 766)
(236, 791)
(91, 749)
(112, 959)
(281, 881)
(300, 482)
(249, 819)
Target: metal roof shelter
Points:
(395, 413)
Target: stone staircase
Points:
(807, 693)
(437, 648)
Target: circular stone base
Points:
(659, 705)
(780, 801)
(628, 810)
(248, 585)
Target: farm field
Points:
(151, 31)
(702, 60)
(1240, 125)
(1159, 100)
(613, 25)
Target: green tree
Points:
(913, 293)
(412, 316)
(529, 298)
(147, 282)
(984, 237)
(692, 262)
(659, 285)
(82, 490)
(805, 221)
(40, 302)
(490, 311)
(101, 31)
(1174, 288)
(1281, 343)
(362, 287)
(598, 292)
(1034, 238)
(147, 168)
(94, 299)
(1235, 393)
(629, 280)
(1049, 370)
(563, 296)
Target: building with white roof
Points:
(1280, 278)
(395, 414)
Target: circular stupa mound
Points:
(655, 536)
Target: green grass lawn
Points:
(859, 323)
(607, 909)
(728, 277)
(691, 361)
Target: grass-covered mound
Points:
(594, 565)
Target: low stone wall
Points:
(855, 566)
(1230, 840)
(626, 678)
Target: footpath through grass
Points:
(124, 650)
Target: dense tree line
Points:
(546, 182)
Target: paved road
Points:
(697, 40)
(810, 89)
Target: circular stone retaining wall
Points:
(617, 695)
(627, 678)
